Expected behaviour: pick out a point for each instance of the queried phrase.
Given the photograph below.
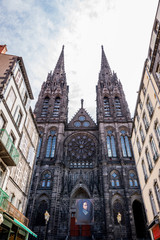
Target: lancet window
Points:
(133, 179)
(39, 145)
(115, 181)
(106, 107)
(56, 107)
(45, 107)
(46, 179)
(51, 144)
(126, 150)
(118, 107)
(111, 144)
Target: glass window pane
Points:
(109, 147)
(123, 147)
(113, 146)
(53, 146)
(48, 146)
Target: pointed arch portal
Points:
(79, 231)
(139, 219)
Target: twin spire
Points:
(60, 70)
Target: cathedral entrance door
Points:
(79, 231)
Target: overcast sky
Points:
(37, 29)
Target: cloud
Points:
(36, 30)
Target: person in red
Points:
(84, 212)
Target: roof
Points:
(7, 63)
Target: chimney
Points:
(3, 49)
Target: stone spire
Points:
(59, 70)
(105, 68)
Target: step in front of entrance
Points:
(80, 238)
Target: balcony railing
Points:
(3, 197)
(8, 151)
(8, 207)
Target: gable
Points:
(82, 120)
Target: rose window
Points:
(81, 150)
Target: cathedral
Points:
(83, 159)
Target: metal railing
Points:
(8, 207)
(7, 142)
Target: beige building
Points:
(146, 132)
(18, 145)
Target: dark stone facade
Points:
(84, 164)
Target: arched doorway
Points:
(82, 232)
(139, 219)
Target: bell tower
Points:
(52, 104)
(111, 102)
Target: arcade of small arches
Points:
(81, 192)
(47, 179)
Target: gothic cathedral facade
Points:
(82, 159)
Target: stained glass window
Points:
(133, 179)
(118, 107)
(115, 181)
(125, 144)
(46, 179)
(56, 107)
(81, 151)
(111, 144)
(106, 107)
(45, 107)
(51, 144)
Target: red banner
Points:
(156, 232)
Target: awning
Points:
(24, 227)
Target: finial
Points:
(63, 47)
(102, 47)
(82, 103)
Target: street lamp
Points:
(46, 217)
(119, 219)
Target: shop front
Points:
(12, 229)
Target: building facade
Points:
(146, 131)
(18, 145)
(82, 159)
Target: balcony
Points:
(8, 207)
(8, 153)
